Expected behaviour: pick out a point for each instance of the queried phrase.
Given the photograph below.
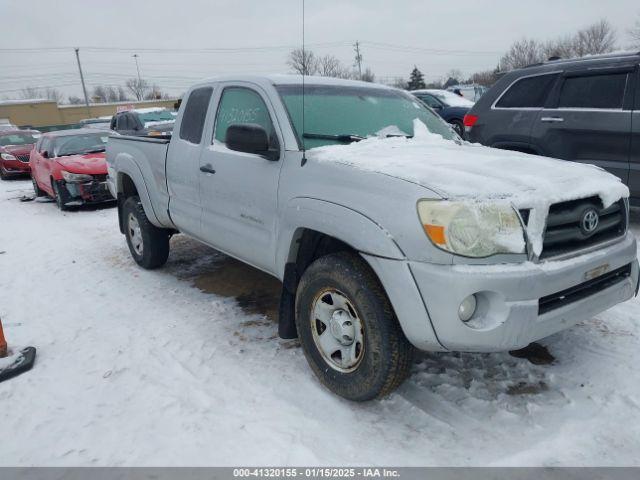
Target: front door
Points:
(589, 122)
(634, 161)
(239, 190)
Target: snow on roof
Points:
(472, 172)
(23, 101)
(284, 79)
(450, 98)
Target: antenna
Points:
(304, 71)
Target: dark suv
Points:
(586, 110)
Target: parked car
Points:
(15, 146)
(70, 166)
(144, 122)
(98, 123)
(585, 110)
(450, 106)
(383, 243)
(471, 92)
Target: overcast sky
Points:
(255, 36)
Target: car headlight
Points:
(7, 156)
(76, 177)
(472, 229)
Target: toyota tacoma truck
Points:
(388, 232)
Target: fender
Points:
(124, 164)
(347, 225)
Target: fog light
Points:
(467, 308)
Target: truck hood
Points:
(91, 163)
(471, 172)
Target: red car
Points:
(15, 146)
(70, 166)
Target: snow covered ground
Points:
(151, 368)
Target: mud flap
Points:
(22, 362)
(287, 309)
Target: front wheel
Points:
(36, 188)
(59, 196)
(348, 330)
(148, 244)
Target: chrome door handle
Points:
(552, 119)
(207, 168)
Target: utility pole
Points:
(358, 58)
(135, 56)
(84, 88)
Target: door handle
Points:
(552, 119)
(207, 168)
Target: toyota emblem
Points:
(589, 222)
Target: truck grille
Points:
(24, 158)
(583, 290)
(580, 224)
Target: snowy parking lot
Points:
(183, 366)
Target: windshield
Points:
(156, 116)
(80, 144)
(336, 114)
(18, 139)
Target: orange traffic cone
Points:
(3, 342)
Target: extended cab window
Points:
(240, 105)
(195, 114)
(593, 91)
(529, 92)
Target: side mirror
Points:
(248, 138)
(437, 107)
(45, 154)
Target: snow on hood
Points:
(92, 163)
(471, 172)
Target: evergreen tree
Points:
(416, 79)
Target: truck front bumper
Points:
(516, 303)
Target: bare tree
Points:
(368, 75)
(485, 78)
(303, 62)
(634, 33)
(562, 47)
(74, 100)
(400, 82)
(595, 39)
(38, 93)
(522, 53)
(139, 88)
(155, 93)
(330, 66)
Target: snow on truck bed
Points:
(141, 368)
(472, 172)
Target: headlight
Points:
(76, 177)
(472, 229)
(7, 156)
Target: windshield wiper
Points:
(338, 138)
(96, 150)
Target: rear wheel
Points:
(348, 330)
(148, 244)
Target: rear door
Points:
(588, 120)
(634, 160)
(508, 123)
(183, 163)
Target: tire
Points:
(458, 126)
(59, 196)
(36, 188)
(382, 361)
(148, 244)
(3, 173)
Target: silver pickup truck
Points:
(388, 232)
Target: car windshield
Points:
(337, 114)
(80, 144)
(156, 116)
(18, 139)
